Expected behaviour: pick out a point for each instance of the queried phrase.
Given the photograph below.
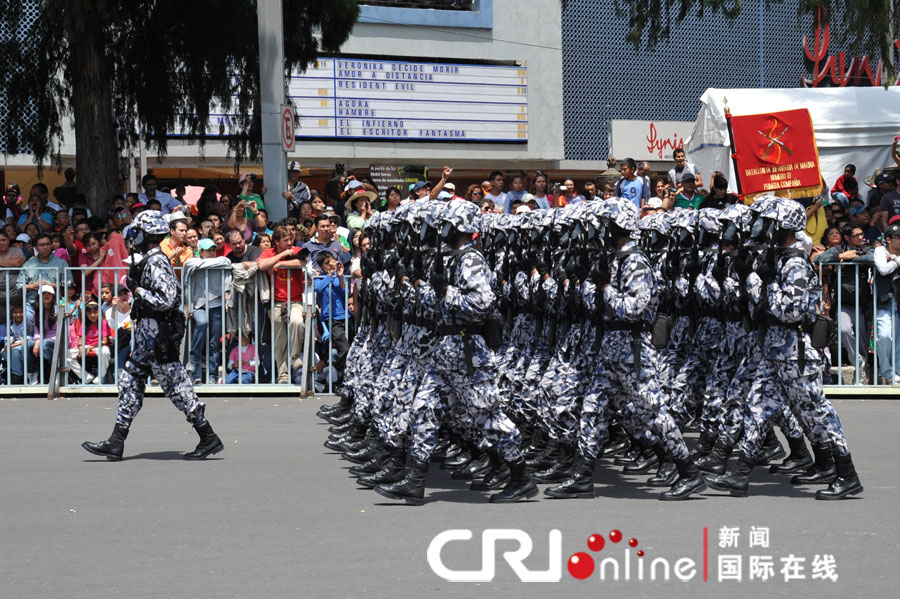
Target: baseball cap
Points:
(854, 210)
(353, 184)
(450, 186)
(884, 178)
(688, 177)
(419, 185)
(206, 244)
(894, 219)
(23, 237)
(243, 178)
(136, 205)
(293, 165)
(892, 231)
(523, 209)
(48, 289)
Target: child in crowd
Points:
(89, 340)
(242, 362)
(20, 340)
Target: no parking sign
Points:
(288, 135)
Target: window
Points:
(434, 4)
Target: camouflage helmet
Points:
(709, 220)
(463, 215)
(685, 219)
(763, 204)
(658, 221)
(435, 213)
(151, 222)
(739, 214)
(789, 214)
(622, 213)
(805, 240)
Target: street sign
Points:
(288, 135)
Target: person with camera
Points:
(247, 195)
(297, 191)
(245, 218)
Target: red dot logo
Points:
(595, 542)
(615, 536)
(581, 565)
(632, 542)
(640, 553)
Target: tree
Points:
(132, 70)
(862, 25)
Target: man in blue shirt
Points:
(166, 202)
(325, 240)
(630, 186)
(330, 293)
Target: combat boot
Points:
(344, 443)
(460, 460)
(210, 443)
(561, 470)
(822, 472)
(479, 466)
(771, 450)
(340, 429)
(644, 462)
(339, 408)
(391, 472)
(667, 472)
(797, 461)
(496, 477)
(371, 467)
(341, 418)
(546, 458)
(411, 488)
(704, 445)
(374, 447)
(519, 487)
(113, 447)
(629, 457)
(619, 441)
(846, 483)
(717, 460)
(689, 481)
(738, 482)
(537, 444)
(578, 486)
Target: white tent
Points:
(853, 125)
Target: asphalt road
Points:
(275, 515)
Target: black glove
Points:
(541, 265)
(742, 268)
(602, 279)
(719, 273)
(131, 283)
(438, 282)
(691, 268)
(766, 272)
(572, 269)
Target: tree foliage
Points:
(860, 25)
(168, 63)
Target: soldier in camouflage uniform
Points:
(790, 368)
(626, 373)
(463, 364)
(157, 340)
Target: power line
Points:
(478, 37)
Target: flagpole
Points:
(737, 174)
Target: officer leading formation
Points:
(523, 349)
(158, 331)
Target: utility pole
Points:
(272, 92)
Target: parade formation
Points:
(521, 349)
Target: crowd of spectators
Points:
(54, 253)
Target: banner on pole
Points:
(776, 153)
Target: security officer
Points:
(159, 328)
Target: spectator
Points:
(420, 190)
(609, 191)
(306, 211)
(10, 204)
(846, 187)
(206, 279)
(887, 319)
(40, 191)
(118, 316)
(240, 251)
(451, 189)
(21, 343)
(330, 290)
(660, 201)
(689, 197)
(42, 270)
(393, 198)
(247, 183)
(9, 257)
(681, 168)
(89, 339)
(496, 194)
(325, 239)
(568, 194)
(222, 248)
(191, 239)
(359, 208)
(719, 198)
(36, 214)
(517, 189)
(297, 191)
(318, 204)
(215, 223)
(643, 173)
(630, 186)
(166, 202)
(889, 205)
(539, 186)
(44, 317)
(65, 193)
(174, 246)
(245, 219)
(263, 241)
(474, 193)
(862, 218)
(287, 316)
(488, 206)
(91, 261)
(242, 362)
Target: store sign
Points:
(361, 98)
(777, 152)
(648, 140)
(837, 71)
(385, 176)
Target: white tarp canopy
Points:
(853, 125)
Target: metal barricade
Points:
(237, 331)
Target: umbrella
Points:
(192, 194)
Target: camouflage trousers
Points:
(173, 379)
(638, 395)
(780, 381)
(369, 365)
(447, 390)
(699, 362)
(401, 416)
(353, 357)
(385, 387)
(563, 385)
